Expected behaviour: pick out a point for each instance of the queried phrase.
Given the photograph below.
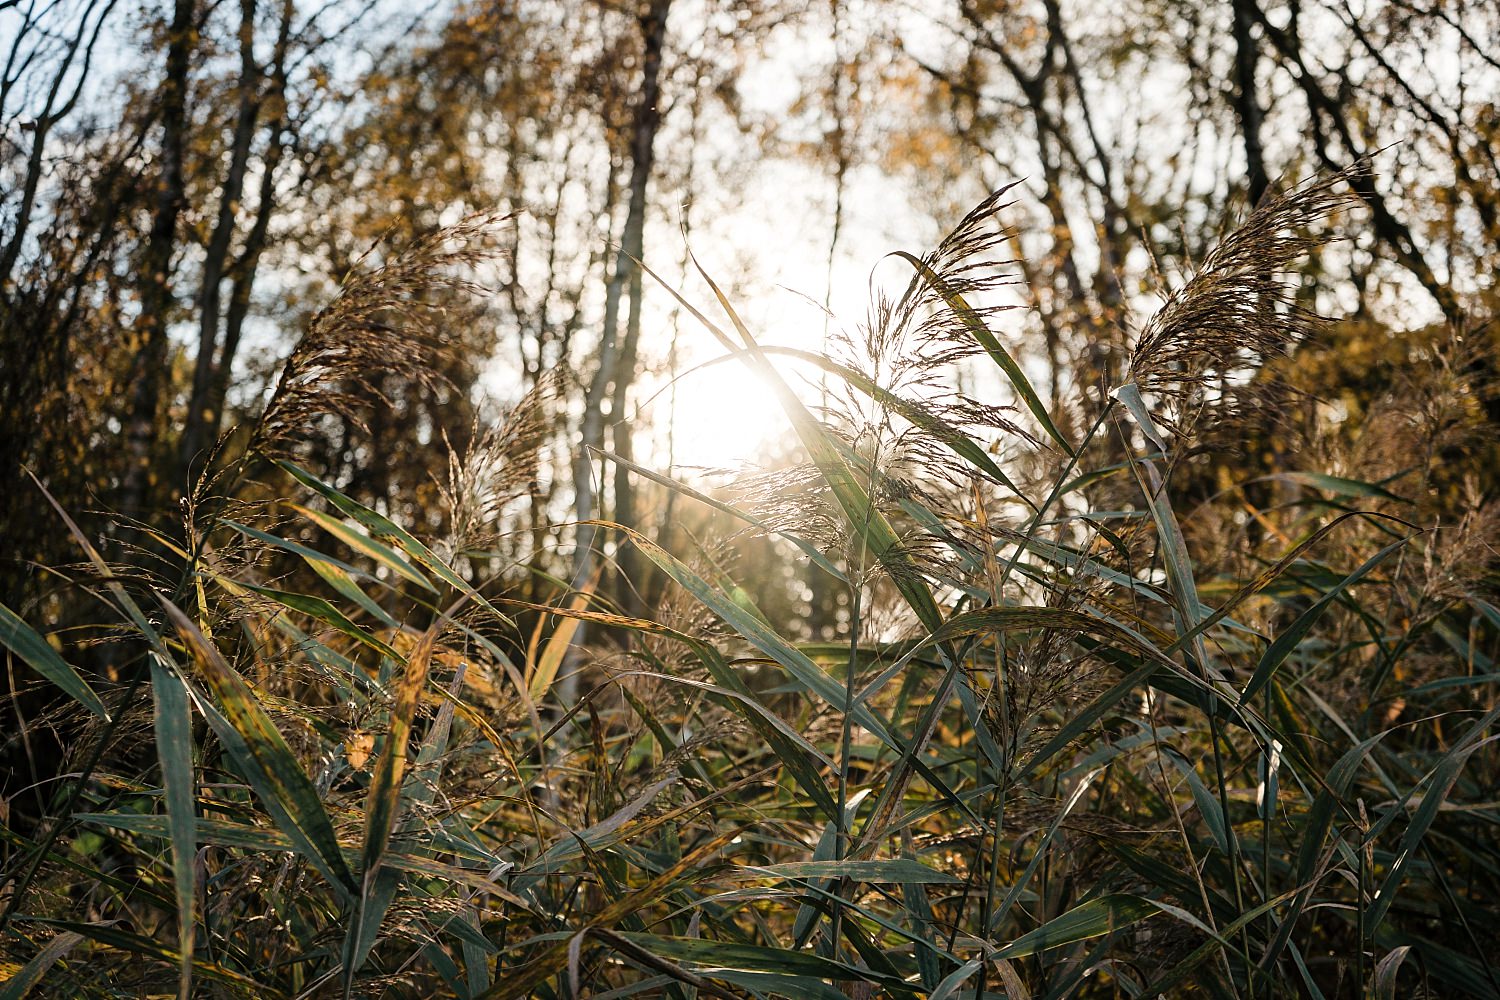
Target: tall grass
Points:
(1086, 732)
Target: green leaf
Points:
(756, 958)
(317, 607)
(806, 547)
(365, 545)
(297, 548)
(1334, 484)
(915, 413)
(1294, 633)
(1387, 970)
(899, 871)
(1208, 807)
(174, 747)
(280, 777)
(760, 635)
(145, 947)
(383, 802)
(381, 528)
(1314, 832)
(992, 346)
(950, 984)
(1444, 776)
(32, 972)
(1092, 919)
(29, 645)
(343, 582)
(1130, 395)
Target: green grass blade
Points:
(287, 545)
(1311, 837)
(950, 984)
(20, 984)
(992, 346)
(382, 528)
(377, 551)
(760, 635)
(758, 958)
(915, 413)
(30, 646)
(807, 548)
(317, 607)
(900, 871)
(1097, 917)
(864, 518)
(1444, 776)
(383, 803)
(283, 777)
(1337, 485)
(174, 747)
(1208, 807)
(1294, 633)
(135, 944)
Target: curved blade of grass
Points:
(1186, 606)
(807, 548)
(135, 944)
(897, 872)
(32, 972)
(764, 638)
(127, 603)
(758, 958)
(1387, 970)
(1444, 776)
(1294, 633)
(746, 697)
(992, 346)
(343, 582)
(541, 673)
(688, 869)
(383, 803)
(275, 765)
(781, 738)
(174, 747)
(382, 554)
(760, 635)
(860, 511)
(1334, 484)
(317, 607)
(1130, 395)
(1088, 920)
(381, 528)
(1208, 806)
(30, 646)
(915, 413)
(1188, 965)
(287, 545)
(1312, 836)
(1014, 893)
(950, 984)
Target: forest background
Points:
(260, 253)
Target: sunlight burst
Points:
(721, 416)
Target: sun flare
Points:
(719, 416)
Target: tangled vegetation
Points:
(1115, 708)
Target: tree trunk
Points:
(156, 284)
(1246, 106)
(617, 355)
(200, 418)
